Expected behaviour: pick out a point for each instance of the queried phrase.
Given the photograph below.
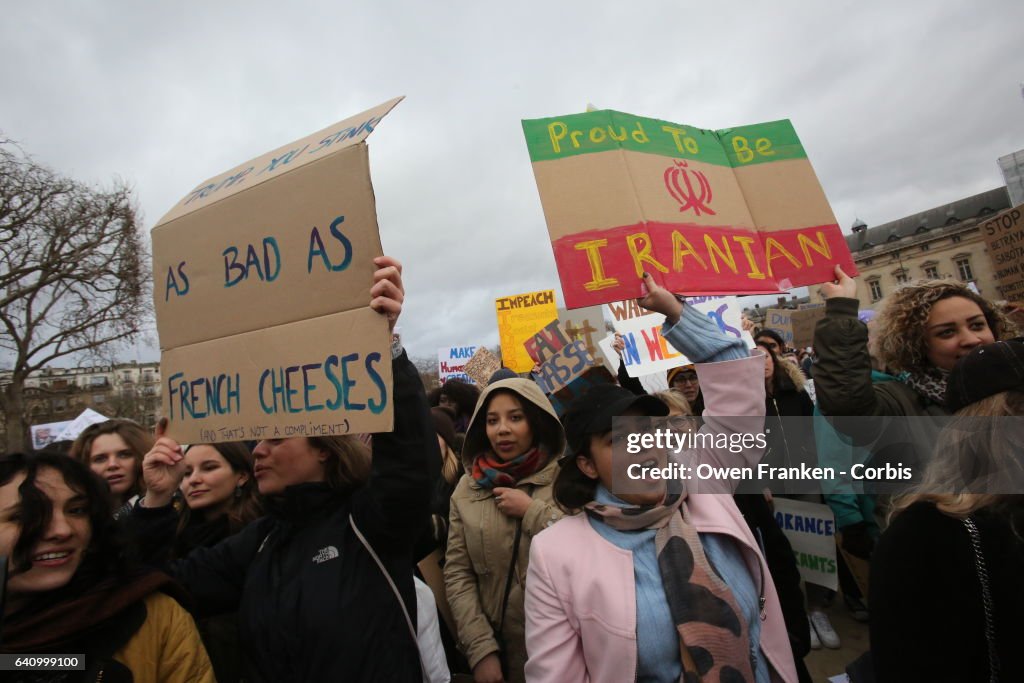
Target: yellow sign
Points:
(519, 318)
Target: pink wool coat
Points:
(580, 590)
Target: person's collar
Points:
(302, 501)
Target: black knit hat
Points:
(986, 371)
(592, 413)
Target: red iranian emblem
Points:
(684, 192)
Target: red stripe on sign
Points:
(602, 266)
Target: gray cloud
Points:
(901, 106)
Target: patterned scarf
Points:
(714, 642)
(930, 382)
(489, 470)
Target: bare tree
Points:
(74, 272)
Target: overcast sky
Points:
(900, 106)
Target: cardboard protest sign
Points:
(803, 323)
(810, 528)
(519, 318)
(451, 362)
(482, 365)
(736, 211)
(1004, 237)
(647, 352)
(586, 324)
(262, 281)
(592, 377)
(796, 327)
(560, 358)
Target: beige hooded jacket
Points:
(480, 538)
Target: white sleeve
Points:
(428, 636)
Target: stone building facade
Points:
(944, 242)
(129, 390)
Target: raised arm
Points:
(731, 381)
(842, 373)
(395, 505)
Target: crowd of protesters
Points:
(483, 538)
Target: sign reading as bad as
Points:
(262, 281)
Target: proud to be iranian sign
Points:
(736, 211)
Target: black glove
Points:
(857, 541)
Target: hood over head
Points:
(551, 434)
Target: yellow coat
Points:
(167, 647)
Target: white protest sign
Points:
(646, 351)
(451, 362)
(810, 528)
(45, 434)
(87, 418)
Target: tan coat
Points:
(476, 567)
(480, 541)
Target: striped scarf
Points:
(489, 470)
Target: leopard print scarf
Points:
(714, 642)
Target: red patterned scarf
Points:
(489, 470)
(714, 642)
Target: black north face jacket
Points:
(312, 604)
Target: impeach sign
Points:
(262, 296)
(519, 318)
(737, 211)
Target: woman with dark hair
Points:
(308, 580)
(114, 450)
(72, 589)
(459, 397)
(659, 583)
(220, 496)
(946, 587)
(511, 448)
(790, 442)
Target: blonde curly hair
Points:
(901, 342)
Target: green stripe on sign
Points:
(606, 130)
(761, 143)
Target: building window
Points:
(931, 272)
(867, 262)
(901, 276)
(956, 239)
(925, 247)
(876, 289)
(963, 267)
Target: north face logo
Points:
(328, 553)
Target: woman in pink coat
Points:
(664, 584)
